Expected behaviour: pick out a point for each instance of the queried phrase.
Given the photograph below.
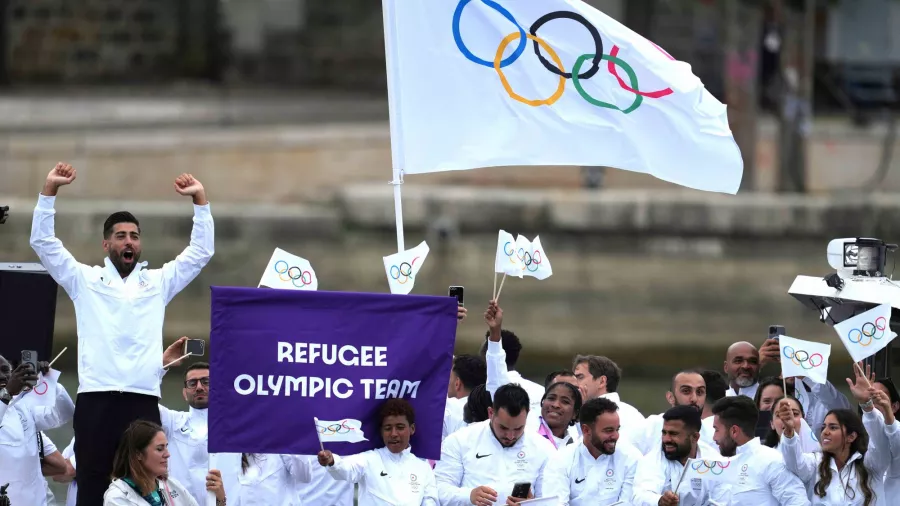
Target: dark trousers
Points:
(100, 420)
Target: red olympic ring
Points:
(46, 388)
(611, 67)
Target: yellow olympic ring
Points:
(498, 58)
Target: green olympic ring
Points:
(599, 103)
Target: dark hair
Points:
(601, 366)
(552, 376)
(511, 345)
(767, 382)
(135, 440)
(471, 370)
(477, 404)
(698, 372)
(576, 397)
(739, 410)
(194, 367)
(594, 408)
(687, 414)
(116, 218)
(716, 386)
(397, 407)
(772, 438)
(850, 423)
(892, 391)
(512, 398)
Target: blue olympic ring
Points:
(523, 40)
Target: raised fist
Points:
(61, 175)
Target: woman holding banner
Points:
(854, 456)
(392, 475)
(140, 468)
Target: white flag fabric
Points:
(289, 272)
(43, 393)
(804, 358)
(549, 82)
(532, 259)
(868, 333)
(727, 470)
(347, 430)
(401, 268)
(506, 261)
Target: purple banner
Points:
(278, 358)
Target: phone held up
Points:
(194, 347)
(520, 490)
(30, 357)
(775, 331)
(457, 291)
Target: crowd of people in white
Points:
(572, 441)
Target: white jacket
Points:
(578, 479)
(119, 320)
(877, 460)
(272, 480)
(120, 493)
(388, 479)
(20, 464)
(892, 477)
(657, 475)
(472, 457)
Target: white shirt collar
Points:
(749, 447)
(613, 396)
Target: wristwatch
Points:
(868, 404)
(4, 395)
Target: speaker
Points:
(27, 310)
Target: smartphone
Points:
(194, 347)
(30, 357)
(520, 490)
(775, 331)
(457, 291)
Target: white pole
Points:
(210, 496)
(398, 208)
(392, 63)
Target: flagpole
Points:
(392, 62)
(398, 208)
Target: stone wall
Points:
(102, 40)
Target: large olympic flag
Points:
(480, 83)
(279, 358)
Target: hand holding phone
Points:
(30, 357)
(520, 490)
(194, 347)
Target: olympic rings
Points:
(560, 88)
(510, 252)
(336, 428)
(596, 57)
(598, 43)
(404, 269)
(457, 15)
(294, 274)
(528, 260)
(706, 466)
(803, 358)
(869, 330)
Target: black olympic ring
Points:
(574, 16)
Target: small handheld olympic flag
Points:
(289, 272)
(506, 261)
(532, 259)
(727, 470)
(804, 358)
(868, 333)
(347, 430)
(402, 268)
